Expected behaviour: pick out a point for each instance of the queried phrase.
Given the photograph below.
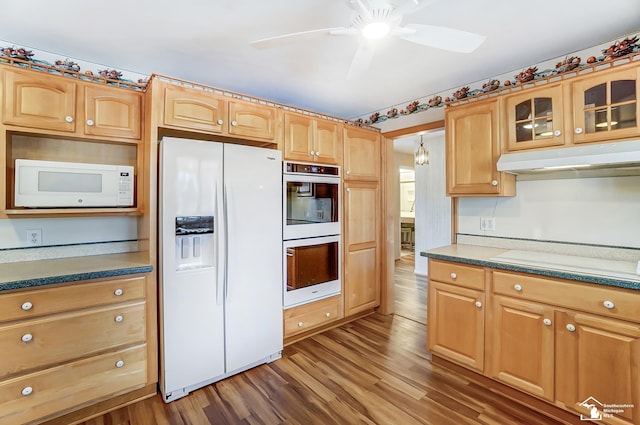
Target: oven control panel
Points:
(312, 169)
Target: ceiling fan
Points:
(380, 18)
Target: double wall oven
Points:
(311, 232)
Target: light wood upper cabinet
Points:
(47, 102)
(111, 113)
(473, 149)
(534, 118)
(39, 101)
(192, 109)
(524, 363)
(456, 313)
(598, 357)
(362, 159)
(606, 105)
(311, 139)
(361, 242)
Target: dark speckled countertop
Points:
(584, 269)
(26, 274)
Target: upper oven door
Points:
(311, 206)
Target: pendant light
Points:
(422, 155)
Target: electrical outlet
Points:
(34, 237)
(487, 223)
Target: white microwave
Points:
(70, 184)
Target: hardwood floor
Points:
(410, 295)
(375, 370)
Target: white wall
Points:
(433, 207)
(65, 231)
(603, 211)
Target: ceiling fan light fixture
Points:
(376, 30)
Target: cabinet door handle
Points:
(571, 328)
(118, 318)
(300, 324)
(317, 153)
(312, 153)
(118, 292)
(27, 391)
(517, 287)
(90, 123)
(578, 130)
(348, 172)
(120, 363)
(494, 182)
(27, 338)
(608, 304)
(27, 306)
(478, 304)
(220, 122)
(557, 133)
(234, 123)
(454, 276)
(547, 322)
(68, 118)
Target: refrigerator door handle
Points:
(226, 199)
(220, 250)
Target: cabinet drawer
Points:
(37, 302)
(36, 395)
(606, 301)
(305, 317)
(40, 342)
(457, 274)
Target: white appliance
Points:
(71, 184)
(221, 261)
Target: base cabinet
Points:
(71, 346)
(571, 344)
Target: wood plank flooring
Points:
(375, 370)
(410, 295)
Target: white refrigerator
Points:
(220, 261)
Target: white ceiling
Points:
(207, 41)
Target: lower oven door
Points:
(311, 269)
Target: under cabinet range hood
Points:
(608, 159)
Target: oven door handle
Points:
(290, 252)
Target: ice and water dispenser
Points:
(195, 243)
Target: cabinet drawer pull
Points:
(68, 118)
(120, 363)
(300, 324)
(27, 338)
(571, 328)
(547, 322)
(118, 292)
(494, 182)
(327, 314)
(27, 391)
(454, 276)
(578, 130)
(608, 304)
(478, 304)
(234, 123)
(517, 287)
(27, 306)
(220, 122)
(90, 123)
(118, 318)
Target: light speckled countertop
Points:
(25, 274)
(580, 268)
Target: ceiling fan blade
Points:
(443, 38)
(361, 61)
(279, 40)
(409, 7)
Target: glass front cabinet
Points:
(534, 118)
(605, 106)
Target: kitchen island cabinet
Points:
(552, 338)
